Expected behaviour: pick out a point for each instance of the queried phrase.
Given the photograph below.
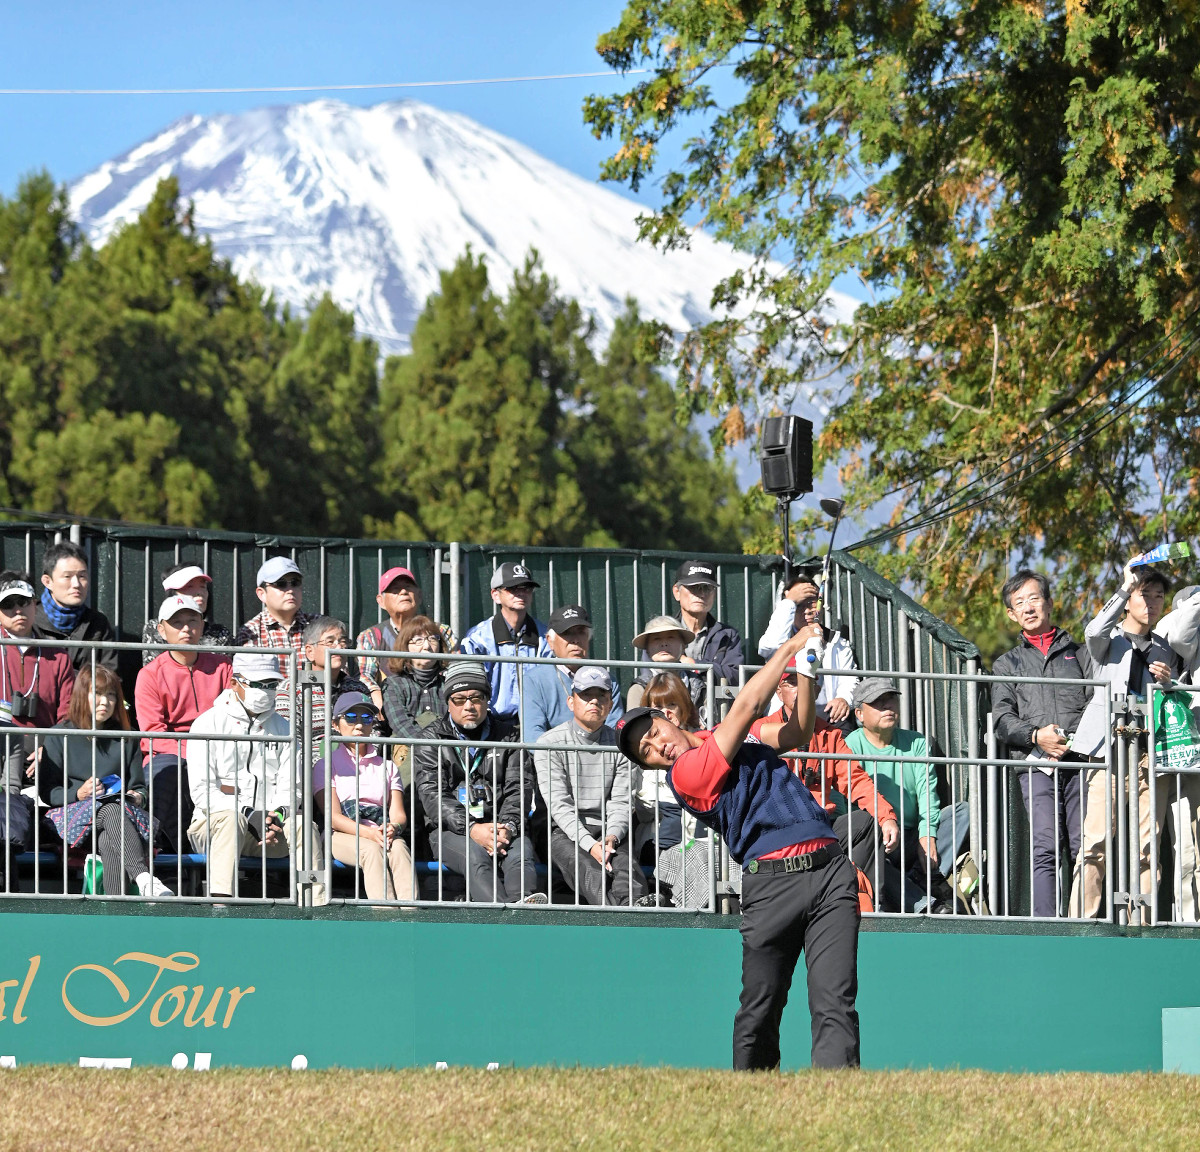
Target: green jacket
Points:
(910, 788)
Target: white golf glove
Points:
(809, 657)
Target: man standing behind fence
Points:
(713, 641)
(1036, 721)
(799, 890)
(280, 624)
(512, 631)
(63, 612)
(1128, 653)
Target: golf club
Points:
(831, 506)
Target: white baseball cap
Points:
(254, 666)
(275, 568)
(183, 577)
(177, 603)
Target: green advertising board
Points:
(367, 989)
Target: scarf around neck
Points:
(64, 619)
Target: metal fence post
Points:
(456, 625)
(974, 776)
(993, 820)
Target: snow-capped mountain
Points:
(370, 203)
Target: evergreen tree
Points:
(502, 426)
(1018, 187)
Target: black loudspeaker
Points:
(786, 456)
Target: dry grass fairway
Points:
(643, 1111)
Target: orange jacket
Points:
(827, 779)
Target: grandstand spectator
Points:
(713, 642)
(242, 790)
(63, 612)
(1128, 653)
(412, 689)
(400, 598)
(474, 799)
(1036, 721)
(35, 692)
(280, 624)
(840, 786)
(589, 792)
(187, 580)
(929, 832)
(320, 634)
(546, 686)
(510, 632)
(654, 804)
(801, 605)
(367, 817)
(664, 641)
(97, 782)
(1181, 629)
(799, 892)
(171, 691)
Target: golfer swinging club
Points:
(799, 892)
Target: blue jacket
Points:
(545, 703)
(493, 637)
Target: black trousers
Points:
(783, 915)
(172, 802)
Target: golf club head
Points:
(832, 506)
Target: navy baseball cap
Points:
(632, 727)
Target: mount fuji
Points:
(369, 204)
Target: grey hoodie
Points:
(587, 792)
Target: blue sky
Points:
(222, 44)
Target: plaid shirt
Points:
(264, 631)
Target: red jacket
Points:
(826, 779)
(48, 672)
(170, 695)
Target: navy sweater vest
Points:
(762, 807)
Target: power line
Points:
(1044, 434)
(965, 500)
(313, 87)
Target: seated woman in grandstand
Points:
(400, 598)
(186, 580)
(96, 785)
(667, 692)
(367, 813)
(412, 692)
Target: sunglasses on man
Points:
(287, 582)
(15, 603)
(258, 685)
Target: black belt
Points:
(806, 862)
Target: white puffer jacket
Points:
(259, 772)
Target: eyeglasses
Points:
(423, 644)
(287, 583)
(524, 589)
(1029, 601)
(15, 603)
(461, 701)
(260, 685)
(333, 642)
(352, 716)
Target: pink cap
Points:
(393, 574)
